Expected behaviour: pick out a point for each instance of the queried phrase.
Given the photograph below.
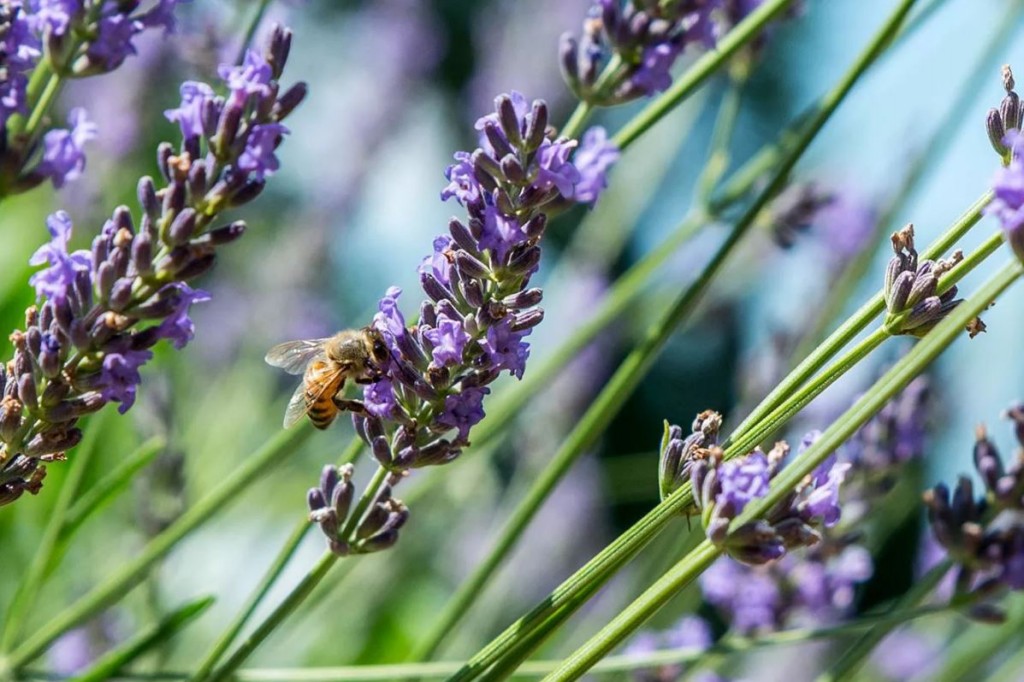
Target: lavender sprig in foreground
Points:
(102, 310)
(479, 311)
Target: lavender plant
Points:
(100, 311)
(778, 547)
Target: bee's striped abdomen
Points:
(321, 384)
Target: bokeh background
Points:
(395, 86)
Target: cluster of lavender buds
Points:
(480, 306)
(1004, 126)
(984, 535)
(101, 310)
(912, 299)
(73, 39)
(1007, 117)
(330, 504)
(722, 489)
(816, 586)
(643, 38)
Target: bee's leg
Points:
(349, 405)
(370, 379)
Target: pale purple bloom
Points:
(251, 78)
(54, 15)
(189, 114)
(500, 232)
(120, 376)
(390, 320)
(64, 150)
(438, 263)
(654, 75)
(178, 327)
(691, 632)
(461, 182)
(506, 348)
(595, 156)
(54, 281)
(113, 42)
(449, 340)
(554, 167)
(846, 225)
(379, 398)
(258, 157)
(464, 410)
(906, 653)
(743, 480)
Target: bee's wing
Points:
(297, 406)
(293, 356)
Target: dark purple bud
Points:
(433, 288)
(480, 378)
(34, 340)
(182, 227)
(924, 286)
(80, 335)
(164, 152)
(381, 451)
(428, 314)
(996, 132)
(897, 297)
(486, 170)
(223, 235)
(496, 139)
(460, 233)
(509, 120)
(929, 310)
(54, 392)
(315, 499)
(537, 126)
(75, 408)
(287, 102)
(228, 125)
(146, 192)
(197, 179)
(249, 191)
(146, 338)
(527, 320)
(569, 61)
(173, 198)
(513, 170)
(278, 49)
(986, 460)
(105, 277)
(53, 441)
(100, 250)
(121, 294)
(1010, 111)
(473, 292)
(11, 410)
(526, 261)
(535, 226)
(524, 299)
(142, 254)
(27, 390)
(197, 266)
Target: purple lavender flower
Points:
(195, 98)
(506, 348)
(258, 157)
(748, 596)
(691, 632)
(438, 264)
(449, 340)
(464, 410)
(648, 39)
(911, 289)
(178, 327)
(20, 48)
(64, 150)
(380, 399)
(120, 376)
(102, 310)
(64, 268)
(906, 653)
(743, 480)
(251, 78)
(594, 157)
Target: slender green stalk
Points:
(636, 365)
(283, 610)
(848, 664)
(250, 31)
(856, 323)
(273, 573)
(113, 661)
(301, 591)
(895, 380)
(574, 125)
(134, 571)
(35, 574)
(702, 69)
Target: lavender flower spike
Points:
(479, 307)
(102, 310)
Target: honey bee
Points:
(325, 365)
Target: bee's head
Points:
(378, 349)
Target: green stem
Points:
(701, 70)
(574, 126)
(721, 138)
(895, 380)
(283, 610)
(250, 31)
(629, 374)
(304, 588)
(271, 577)
(855, 324)
(28, 587)
(42, 107)
(113, 588)
(637, 613)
